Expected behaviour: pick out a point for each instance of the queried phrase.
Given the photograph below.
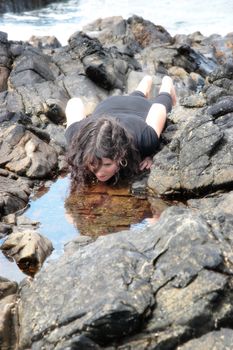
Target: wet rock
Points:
(154, 282)
(14, 195)
(28, 249)
(8, 317)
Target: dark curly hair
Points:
(101, 138)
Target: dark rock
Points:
(223, 71)
(194, 61)
(3, 37)
(8, 317)
(151, 282)
(12, 117)
(4, 230)
(223, 106)
(23, 5)
(105, 67)
(14, 195)
(32, 67)
(192, 166)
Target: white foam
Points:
(177, 17)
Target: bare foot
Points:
(168, 86)
(145, 85)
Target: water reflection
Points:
(101, 209)
(64, 213)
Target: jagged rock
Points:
(154, 286)
(24, 153)
(130, 36)
(28, 249)
(14, 195)
(32, 67)
(198, 160)
(105, 67)
(8, 316)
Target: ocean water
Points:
(65, 18)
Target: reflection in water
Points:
(101, 209)
(64, 213)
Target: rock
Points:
(219, 340)
(105, 67)
(223, 106)
(190, 163)
(129, 36)
(29, 249)
(14, 195)
(8, 317)
(194, 61)
(44, 42)
(145, 33)
(4, 229)
(137, 287)
(23, 5)
(24, 153)
(80, 85)
(32, 67)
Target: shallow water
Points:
(47, 207)
(98, 211)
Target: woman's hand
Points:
(146, 163)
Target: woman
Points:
(120, 137)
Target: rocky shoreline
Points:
(167, 286)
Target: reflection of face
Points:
(106, 170)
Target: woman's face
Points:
(106, 170)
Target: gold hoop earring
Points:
(123, 163)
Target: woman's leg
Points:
(75, 111)
(157, 114)
(145, 85)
